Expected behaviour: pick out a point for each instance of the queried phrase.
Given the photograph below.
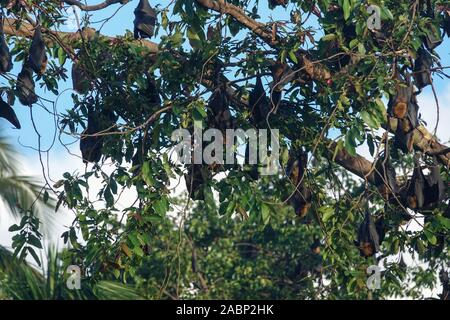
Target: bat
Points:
(258, 103)
(145, 20)
(415, 193)
(37, 58)
(275, 3)
(5, 56)
(422, 66)
(445, 281)
(302, 197)
(432, 38)
(385, 176)
(434, 186)
(446, 23)
(398, 106)
(80, 79)
(220, 114)
(403, 141)
(152, 91)
(380, 225)
(91, 146)
(8, 113)
(281, 74)
(196, 178)
(368, 241)
(25, 86)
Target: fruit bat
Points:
(5, 56)
(434, 186)
(302, 197)
(415, 192)
(80, 79)
(281, 74)
(145, 20)
(398, 106)
(403, 141)
(385, 177)
(8, 113)
(368, 241)
(422, 66)
(152, 91)
(446, 24)
(196, 178)
(433, 38)
(275, 3)
(91, 146)
(37, 58)
(220, 115)
(25, 87)
(258, 103)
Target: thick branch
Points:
(94, 7)
(237, 13)
(26, 30)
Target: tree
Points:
(327, 93)
(20, 193)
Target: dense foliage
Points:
(331, 84)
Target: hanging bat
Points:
(80, 79)
(258, 103)
(25, 87)
(385, 177)
(281, 74)
(368, 241)
(422, 66)
(415, 192)
(91, 146)
(433, 38)
(434, 191)
(5, 56)
(145, 20)
(196, 178)
(220, 115)
(446, 24)
(8, 113)
(152, 91)
(398, 106)
(296, 171)
(403, 141)
(275, 3)
(37, 58)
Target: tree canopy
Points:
(322, 72)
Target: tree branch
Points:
(95, 7)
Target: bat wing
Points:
(5, 56)
(8, 113)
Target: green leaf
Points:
(349, 144)
(34, 255)
(194, 39)
(347, 9)
(430, 237)
(34, 241)
(265, 213)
